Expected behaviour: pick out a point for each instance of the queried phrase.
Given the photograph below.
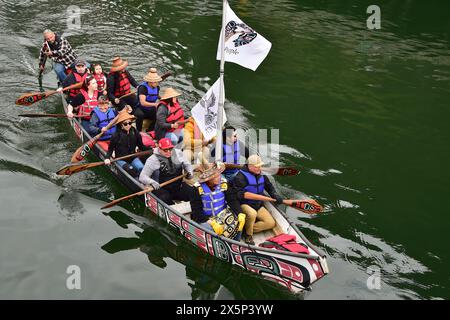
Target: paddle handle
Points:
(164, 76)
(49, 115)
(150, 189)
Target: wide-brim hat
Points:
(169, 93)
(255, 160)
(152, 76)
(118, 64)
(124, 115)
(211, 171)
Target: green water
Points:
(363, 113)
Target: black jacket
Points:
(112, 82)
(125, 144)
(197, 205)
(240, 182)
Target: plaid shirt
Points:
(63, 54)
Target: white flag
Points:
(243, 45)
(205, 112)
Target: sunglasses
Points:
(128, 123)
(167, 150)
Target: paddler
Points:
(214, 205)
(59, 50)
(118, 83)
(148, 95)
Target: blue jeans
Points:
(207, 226)
(60, 71)
(136, 163)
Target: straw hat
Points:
(124, 115)
(152, 76)
(118, 64)
(255, 160)
(169, 93)
(211, 171)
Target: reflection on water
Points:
(205, 274)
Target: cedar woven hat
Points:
(213, 170)
(255, 160)
(169, 93)
(152, 76)
(118, 64)
(124, 115)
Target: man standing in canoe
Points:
(250, 180)
(164, 164)
(118, 83)
(59, 50)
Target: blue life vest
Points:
(103, 120)
(152, 93)
(213, 201)
(253, 185)
(231, 155)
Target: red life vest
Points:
(89, 104)
(78, 78)
(175, 114)
(124, 86)
(100, 78)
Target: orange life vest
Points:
(124, 86)
(78, 78)
(175, 114)
(100, 78)
(89, 104)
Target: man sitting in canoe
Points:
(118, 83)
(214, 206)
(126, 140)
(164, 164)
(250, 180)
(59, 50)
(148, 95)
(232, 150)
(79, 74)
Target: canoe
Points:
(294, 271)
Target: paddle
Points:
(49, 115)
(308, 206)
(30, 98)
(281, 171)
(72, 168)
(164, 76)
(82, 151)
(150, 189)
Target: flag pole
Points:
(220, 109)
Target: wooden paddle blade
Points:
(83, 151)
(30, 98)
(283, 171)
(114, 202)
(72, 168)
(307, 206)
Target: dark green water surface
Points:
(363, 113)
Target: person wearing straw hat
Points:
(250, 179)
(163, 165)
(169, 117)
(126, 140)
(214, 205)
(119, 82)
(148, 94)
